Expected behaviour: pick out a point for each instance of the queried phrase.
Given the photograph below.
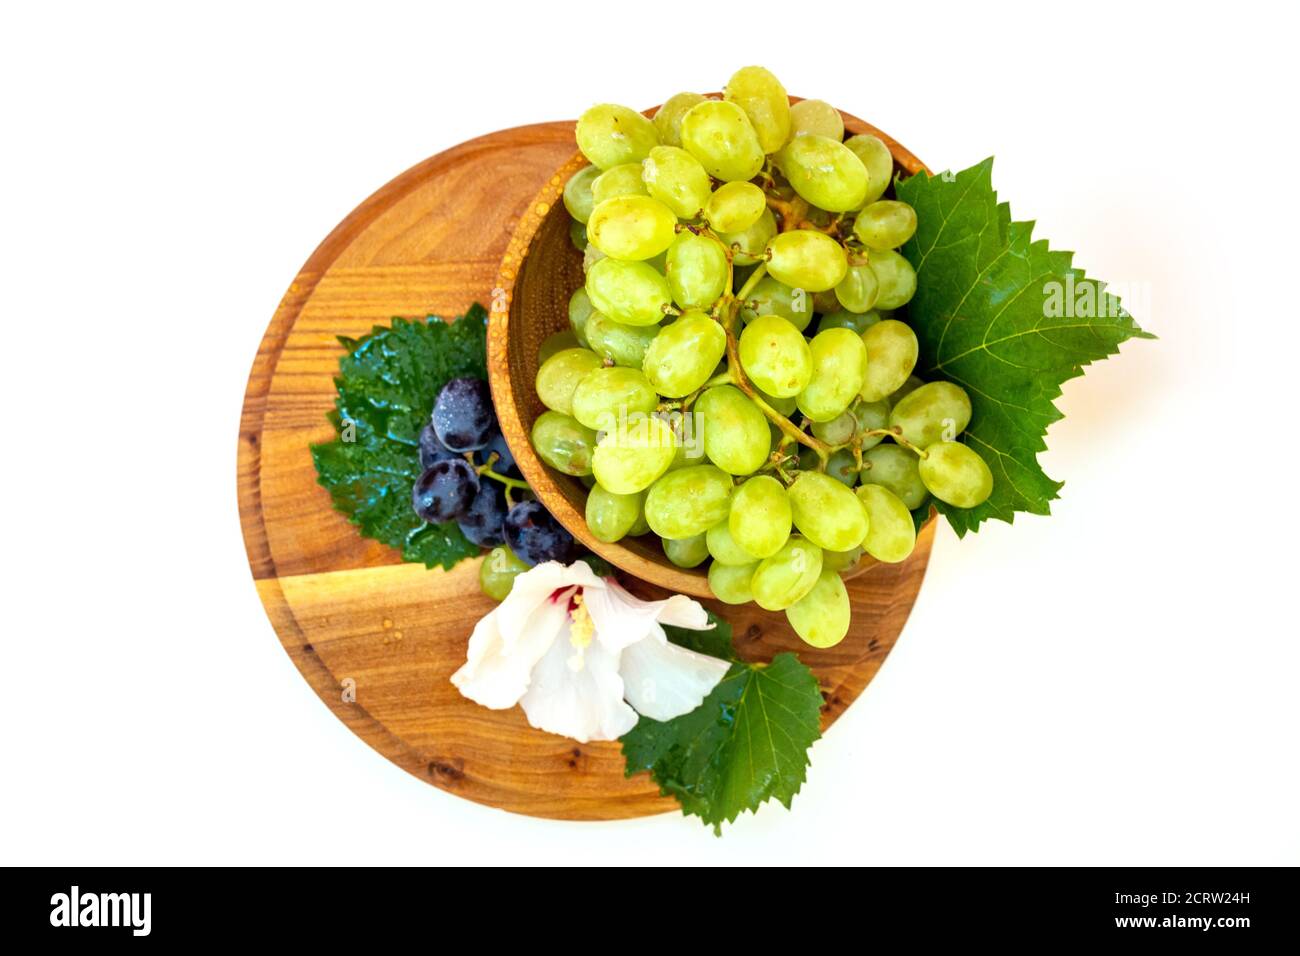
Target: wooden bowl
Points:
(538, 274)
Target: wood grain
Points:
(378, 639)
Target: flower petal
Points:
(663, 681)
(534, 588)
(496, 672)
(584, 704)
(622, 619)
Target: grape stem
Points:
(792, 212)
(738, 378)
(486, 469)
(895, 433)
(750, 284)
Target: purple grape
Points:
(505, 462)
(444, 492)
(535, 536)
(462, 416)
(431, 447)
(482, 523)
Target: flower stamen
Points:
(581, 630)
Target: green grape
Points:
(632, 293)
(869, 417)
(826, 512)
(564, 443)
(760, 518)
(858, 322)
(896, 468)
(668, 118)
(939, 411)
(676, 179)
(688, 501)
(785, 404)
(773, 297)
(560, 374)
(858, 290)
(734, 207)
(590, 256)
(821, 617)
(816, 118)
(720, 136)
(580, 310)
(730, 583)
(839, 363)
(804, 259)
(632, 227)
(642, 526)
(621, 344)
(736, 438)
(577, 193)
(623, 180)
(685, 453)
(840, 464)
(778, 436)
(786, 576)
(749, 246)
(686, 552)
(723, 547)
(697, 270)
(610, 135)
(895, 274)
(556, 342)
(776, 356)
(838, 430)
(683, 355)
(841, 561)
(605, 396)
(879, 161)
(825, 301)
(764, 100)
(891, 355)
(611, 517)
(628, 460)
(886, 224)
(497, 573)
(956, 474)
(824, 171)
(578, 235)
(891, 533)
(906, 389)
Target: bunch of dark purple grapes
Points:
(470, 477)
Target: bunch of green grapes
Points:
(738, 377)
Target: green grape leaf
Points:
(387, 384)
(715, 642)
(1006, 318)
(745, 744)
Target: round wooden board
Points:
(378, 639)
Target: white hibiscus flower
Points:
(575, 650)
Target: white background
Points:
(1115, 684)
